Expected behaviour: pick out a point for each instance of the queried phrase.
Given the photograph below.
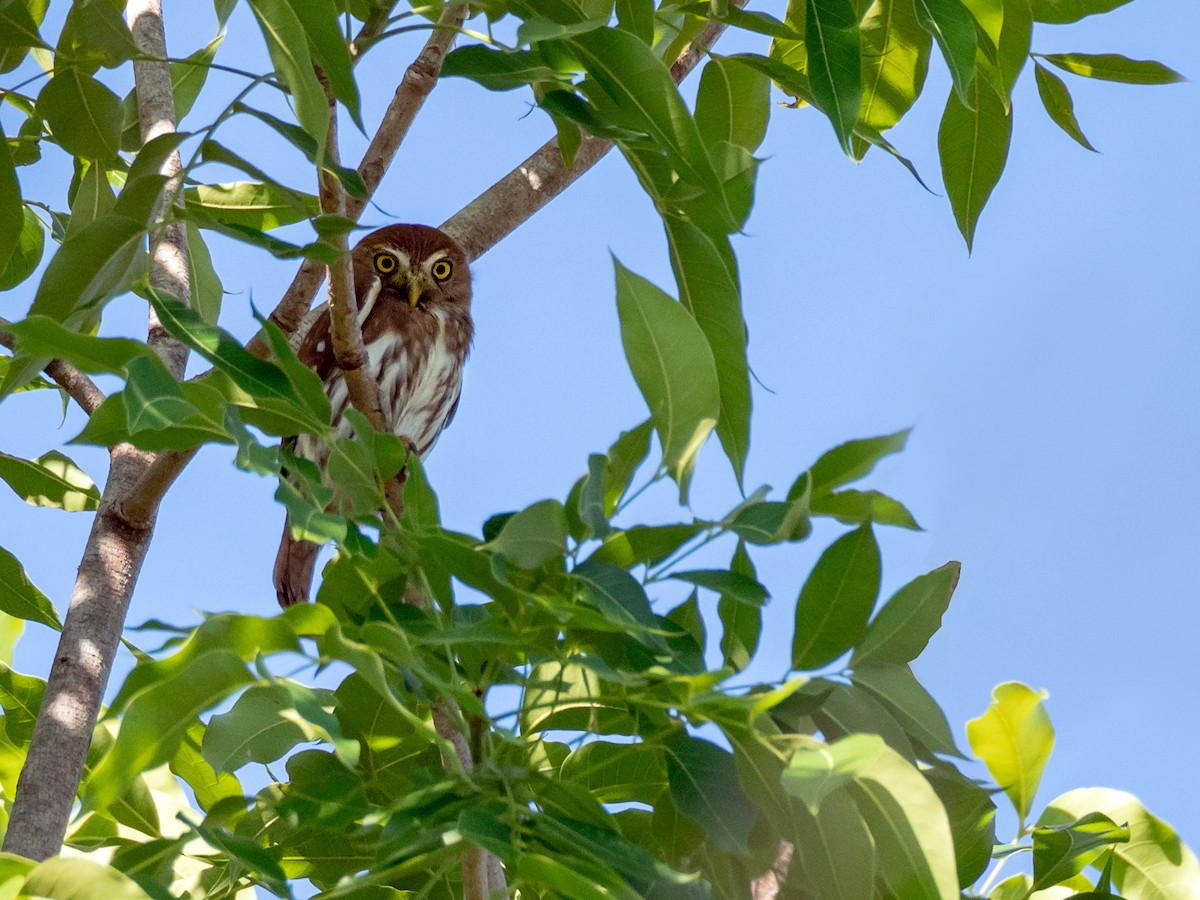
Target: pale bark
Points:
(117, 545)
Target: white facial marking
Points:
(320, 346)
(365, 309)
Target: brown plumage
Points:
(414, 298)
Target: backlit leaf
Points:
(673, 367)
(733, 103)
(288, 45)
(26, 252)
(973, 147)
(895, 60)
(1059, 105)
(320, 21)
(1061, 12)
(51, 480)
(19, 597)
(1014, 738)
(898, 690)
(853, 460)
(1114, 67)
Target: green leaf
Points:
(953, 27)
(856, 507)
(674, 369)
(1061, 851)
(733, 103)
(1153, 864)
(257, 205)
(645, 544)
(313, 150)
(1062, 12)
(834, 63)
(621, 599)
(1014, 738)
(84, 115)
(26, 252)
(592, 510)
(157, 719)
(12, 214)
(973, 143)
(913, 845)
(705, 788)
(19, 30)
(1114, 67)
(972, 817)
(93, 197)
(816, 771)
(94, 34)
(207, 290)
(853, 460)
(741, 623)
(706, 272)
(257, 729)
(617, 773)
(1013, 50)
(901, 694)
(288, 45)
(902, 628)
(497, 70)
(533, 536)
(849, 709)
(895, 60)
(320, 21)
(80, 879)
(735, 585)
(836, 852)
(1059, 105)
(206, 783)
(51, 480)
(831, 614)
(43, 336)
(21, 696)
(19, 597)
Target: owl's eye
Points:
(441, 269)
(385, 263)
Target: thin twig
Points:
(495, 213)
(79, 387)
(416, 85)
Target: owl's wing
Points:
(316, 350)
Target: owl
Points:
(414, 300)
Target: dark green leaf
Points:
(848, 709)
(12, 213)
(901, 694)
(741, 623)
(1058, 103)
(621, 599)
(736, 586)
(497, 70)
(288, 46)
(94, 34)
(19, 30)
(834, 64)
(953, 27)
(51, 480)
(617, 773)
(84, 116)
(1060, 851)
(831, 614)
(591, 497)
(1114, 67)
(972, 816)
(20, 598)
(902, 628)
(973, 143)
(26, 253)
(706, 272)
(856, 507)
(835, 850)
(673, 367)
(705, 788)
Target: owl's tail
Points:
(294, 568)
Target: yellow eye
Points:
(441, 269)
(385, 263)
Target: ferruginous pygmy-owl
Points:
(414, 301)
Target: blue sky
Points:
(1050, 379)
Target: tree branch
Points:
(116, 547)
(78, 386)
(416, 85)
(495, 213)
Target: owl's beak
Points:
(417, 284)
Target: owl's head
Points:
(413, 265)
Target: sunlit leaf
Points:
(21, 696)
(895, 60)
(853, 460)
(834, 63)
(84, 115)
(1014, 738)
(288, 46)
(814, 772)
(835, 849)
(1114, 67)
(51, 480)
(26, 253)
(80, 879)
(1061, 12)
(733, 103)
